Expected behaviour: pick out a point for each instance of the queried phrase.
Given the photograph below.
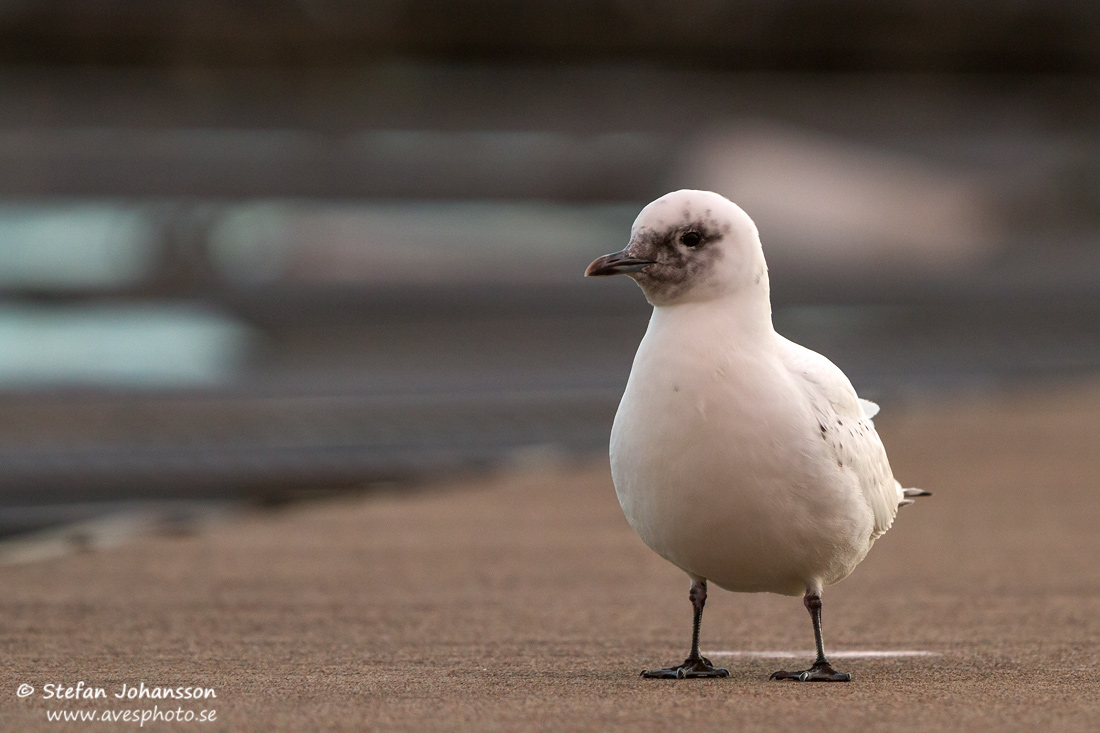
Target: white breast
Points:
(719, 464)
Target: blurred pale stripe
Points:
(74, 246)
(417, 242)
(130, 346)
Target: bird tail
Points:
(908, 496)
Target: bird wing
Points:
(844, 421)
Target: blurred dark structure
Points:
(1027, 36)
(345, 221)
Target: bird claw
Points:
(691, 668)
(820, 672)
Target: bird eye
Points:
(691, 239)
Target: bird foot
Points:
(699, 667)
(820, 672)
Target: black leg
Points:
(822, 671)
(695, 665)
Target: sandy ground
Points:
(524, 602)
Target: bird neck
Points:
(743, 313)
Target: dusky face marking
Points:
(684, 253)
(692, 246)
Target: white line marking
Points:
(850, 654)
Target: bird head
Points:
(689, 246)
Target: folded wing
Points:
(845, 424)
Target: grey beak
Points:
(618, 263)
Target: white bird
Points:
(740, 457)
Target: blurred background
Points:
(252, 252)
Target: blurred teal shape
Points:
(74, 246)
(251, 243)
(120, 346)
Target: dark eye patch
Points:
(691, 239)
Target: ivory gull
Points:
(739, 456)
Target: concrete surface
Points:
(524, 602)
